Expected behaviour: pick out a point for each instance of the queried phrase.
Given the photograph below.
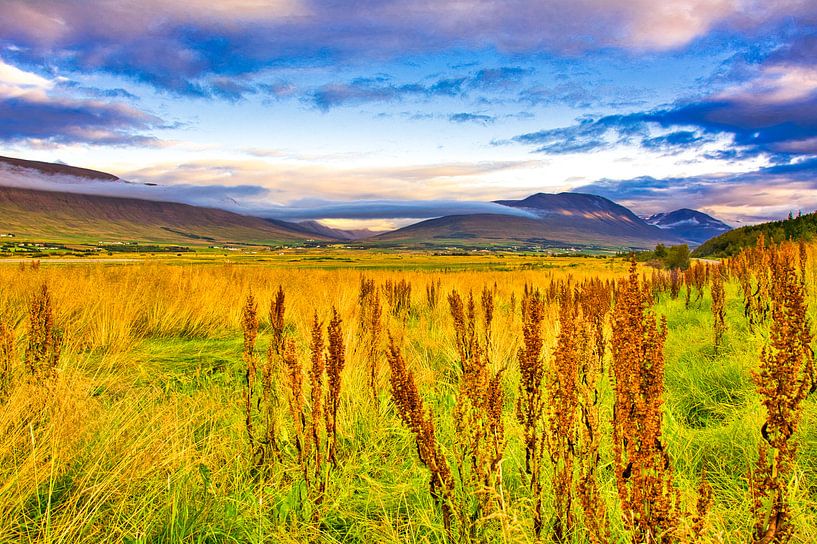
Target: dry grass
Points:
(141, 435)
(783, 384)
(643, 468)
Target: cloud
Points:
(230, 89)
(758, 195)
(386, 209)
(258, 188)
(503, 77)
(334, 95)
(383, 89)
(218, 196)
(295, 190)
(180, 45)
(237, 196)
(17, 82)
(773, 114)
(277, 90)
(30, 112)
(581, 95)
(288, 181)
(96, 92)
(672, 141)
(471, 118)
(62, 121)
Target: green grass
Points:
(148, 443)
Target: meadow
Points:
(144, 429)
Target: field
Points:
(140, 434)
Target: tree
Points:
(660, 251)
(678, 257)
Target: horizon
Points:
(701, 104)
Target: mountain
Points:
(591, 217)
(691, 225)
(320, 229)
(731, 242)
(553, 220)
(67, 217)
(565, 219)
(53, 169)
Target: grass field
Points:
(141, 436)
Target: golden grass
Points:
(142, 437)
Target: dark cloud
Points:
(757, 125)
(800, 49)
(66, 121)
(177, 45)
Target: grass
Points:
(141, 438)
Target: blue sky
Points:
(306, 108)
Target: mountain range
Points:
(691, 225)
(564, 219)
(541, 220)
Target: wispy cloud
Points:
(290, 181)
(472, 118)
(385, 89)
(387, 209)
(254, 200)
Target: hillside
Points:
(315, 227)
(575, 205)
(691, 225)
(592, 217)
(50, 216)
(542, 219)
(730, 243)
(495, 229)
(564, 219)
(53, 169)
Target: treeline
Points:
(728, 244)
(672, 257)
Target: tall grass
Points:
(141, 434)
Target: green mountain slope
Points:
(67, 217)
(730, 243)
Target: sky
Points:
(378, 113)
